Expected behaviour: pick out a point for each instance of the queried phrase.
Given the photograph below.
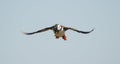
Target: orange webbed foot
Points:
(64, 37)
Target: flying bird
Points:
(59, 31)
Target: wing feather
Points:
(42, 30)
(84, 32)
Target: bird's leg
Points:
(64, 37)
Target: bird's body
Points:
(59, 31)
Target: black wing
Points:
(42, 30)
(84, 32)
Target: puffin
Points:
(59, 31)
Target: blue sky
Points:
(102, 46)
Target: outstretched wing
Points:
(42, 30)
(84, 32)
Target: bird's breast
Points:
(60, 33)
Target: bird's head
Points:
(58, 27)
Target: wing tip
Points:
(24, 33)
(88, 31)
(92, 30)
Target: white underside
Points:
(60, 34)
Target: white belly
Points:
(60, 34)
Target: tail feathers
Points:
(63, 37)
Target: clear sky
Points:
(102, 46)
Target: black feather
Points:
(84, 32)
(42, 30)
